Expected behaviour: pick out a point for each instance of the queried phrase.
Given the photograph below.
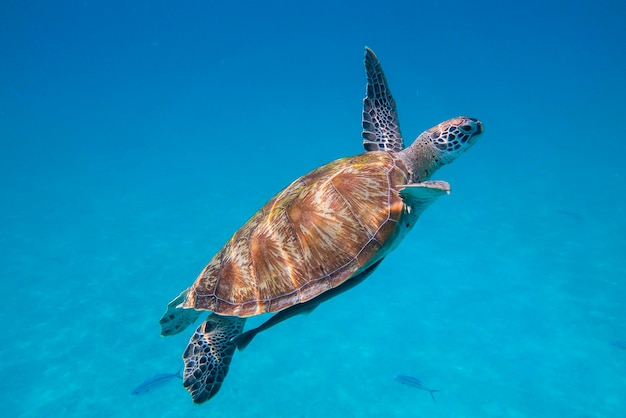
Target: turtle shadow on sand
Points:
(320, 236)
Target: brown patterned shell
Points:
(314, 235)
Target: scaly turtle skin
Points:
(323, 234)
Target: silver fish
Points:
(155, 382)
(414, 382)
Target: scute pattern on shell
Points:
(312, 236)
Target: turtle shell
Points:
(314, 235)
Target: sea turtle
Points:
(323, 234)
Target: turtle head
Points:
(440, 145)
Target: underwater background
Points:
(136, 137)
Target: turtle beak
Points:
(479, 126)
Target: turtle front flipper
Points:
(208, 355)
(177, 319)
(418, 196)
(381, 129)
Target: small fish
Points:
(416, 383)
(155, 382)
(619, 344)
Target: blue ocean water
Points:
(137, 137)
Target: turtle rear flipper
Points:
(244, 339)
(208, 355)
(177, 319)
